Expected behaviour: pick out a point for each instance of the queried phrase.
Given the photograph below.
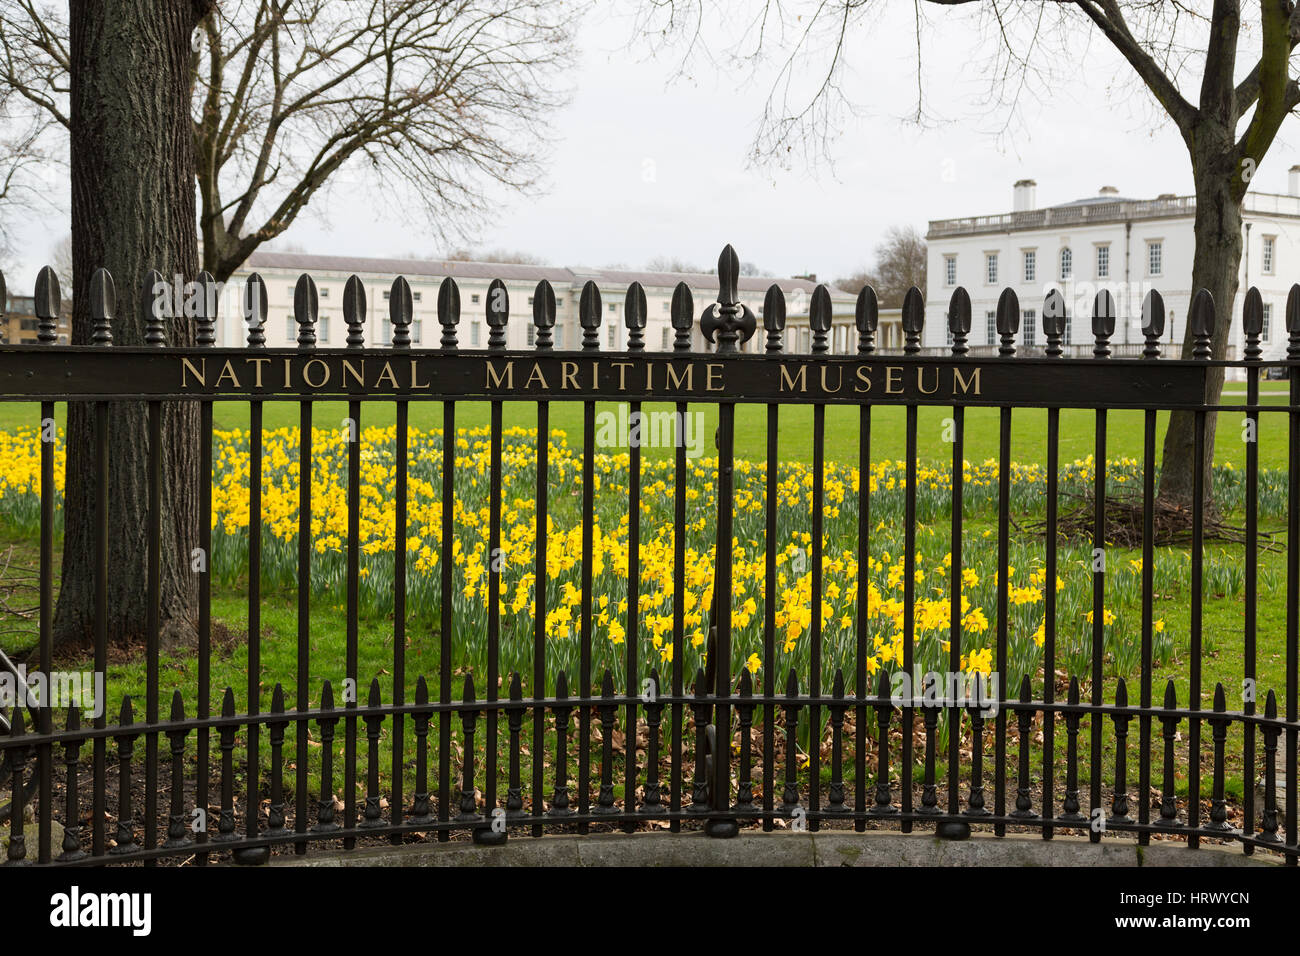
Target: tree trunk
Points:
(1215, 265)
(133, 209)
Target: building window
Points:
(991, 326)
(1155, 258)
(613, 333)
(1031, 265)
(1028, 318)
(613, 307)
(417, 331)
(1268, 322)
(532, 334)
(1103, 262)
(324, 292)
(290, 329)
(387, 294)
(663, 338)
(474, 333)
(949, 270)
(1067, 263)
(666, 305)
(991, 268)
(559, 337)
(1267, 257)
(386, 332)
(323, 329)
(415, 297)
(474, 299)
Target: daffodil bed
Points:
(1224, 582)
(468, 552)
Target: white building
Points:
(1128, 246)
(280, 272)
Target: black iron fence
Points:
(649, 742)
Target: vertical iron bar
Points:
(496, 558)
(45, 752)
(815, 623)
(399, 617)
(588, 560)
(98, 804)
(633, 637)
(153, 627)
(1004, 584)
(539, 614)
(1194, 702)
(254, 601)
(864, 561)
(446, 716)
(955, 582)
(1049, 621)
(769, 615)
(1095, 721)
(304, 619)
(1148, 598)
(353, 612)
(1252, 589)
(722, 620)
(909, 612)
(679, 611)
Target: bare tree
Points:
(61, 261)
(671, 264)
(1183, 56)
(260, 104)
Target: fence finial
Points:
(4, 294)
(401, 312)
(1293, 322)
(103, 307)
(206, 317)
(448, 312)
(1103, 322)
(728, 322)
(913, 320)
(256, 310)
(49, 303)
(1153, 323)
(1008, 321)
(306, 307)
(354, 311)
(819, 319)
(1252, 323)
(682, 312)
(589, 316)
(1201, 317)
(959, 320)
(155, 307)
(544, 314)
(634, 317)
(1055, 322)
(498, 314)
(866, 316)
(774, 317)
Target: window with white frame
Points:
(613, 334)
(991, 326)
(1067, 263)
(417, 331)
(323, 329)
(1155, 257)
(1031, 265)
(991, 268)
(474, 334)
(290, 329)
(663, 337)
(1266, 258)
(1268, 322)
(1103, 261)
(1029, 334)
(949, 270)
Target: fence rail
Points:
(634, 744)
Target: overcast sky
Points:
(648, 163)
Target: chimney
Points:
(1293, 181)
(1022, 195)
(1108, 191)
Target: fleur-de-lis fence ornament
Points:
(256, 309)
(728, 323)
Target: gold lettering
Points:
(306, 373)
(864, 376)
(387, 373)
(965, 383)
(227, 370)
(536, 373)
(257, 370)
(920, 381)
(649, 377)
(712, 382)
(494, 380)
(199, 373)
(676, 382)
(787, 380)
(568, 375)
(349, 369)
(286, 373)
(622, 374)
(415, 376)
(892, 385)
(839, 382)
